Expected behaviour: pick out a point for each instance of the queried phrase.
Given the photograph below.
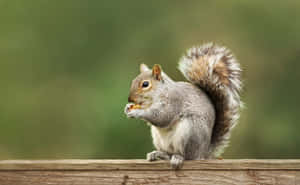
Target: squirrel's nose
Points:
(130, 99)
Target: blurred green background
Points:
(66, 67)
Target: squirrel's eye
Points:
(145, 84)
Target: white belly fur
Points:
(171, 140)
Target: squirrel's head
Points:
(143, 87)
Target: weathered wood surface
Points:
(102, 172)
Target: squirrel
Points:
(189, 120)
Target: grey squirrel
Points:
(189, 120)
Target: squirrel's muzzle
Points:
(130, 99)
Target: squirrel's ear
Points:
(156, 72)
(144, 68)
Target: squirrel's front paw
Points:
(132, 112)
(176, 161)
(157, 155)
(128, 108)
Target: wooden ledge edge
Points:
(103, 165)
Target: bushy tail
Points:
(215, 70)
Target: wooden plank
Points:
(203, 177)
(237, 164)
(133, 172)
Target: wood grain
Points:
(132, 172)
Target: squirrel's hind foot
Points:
(176, 161)
(157, 155)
